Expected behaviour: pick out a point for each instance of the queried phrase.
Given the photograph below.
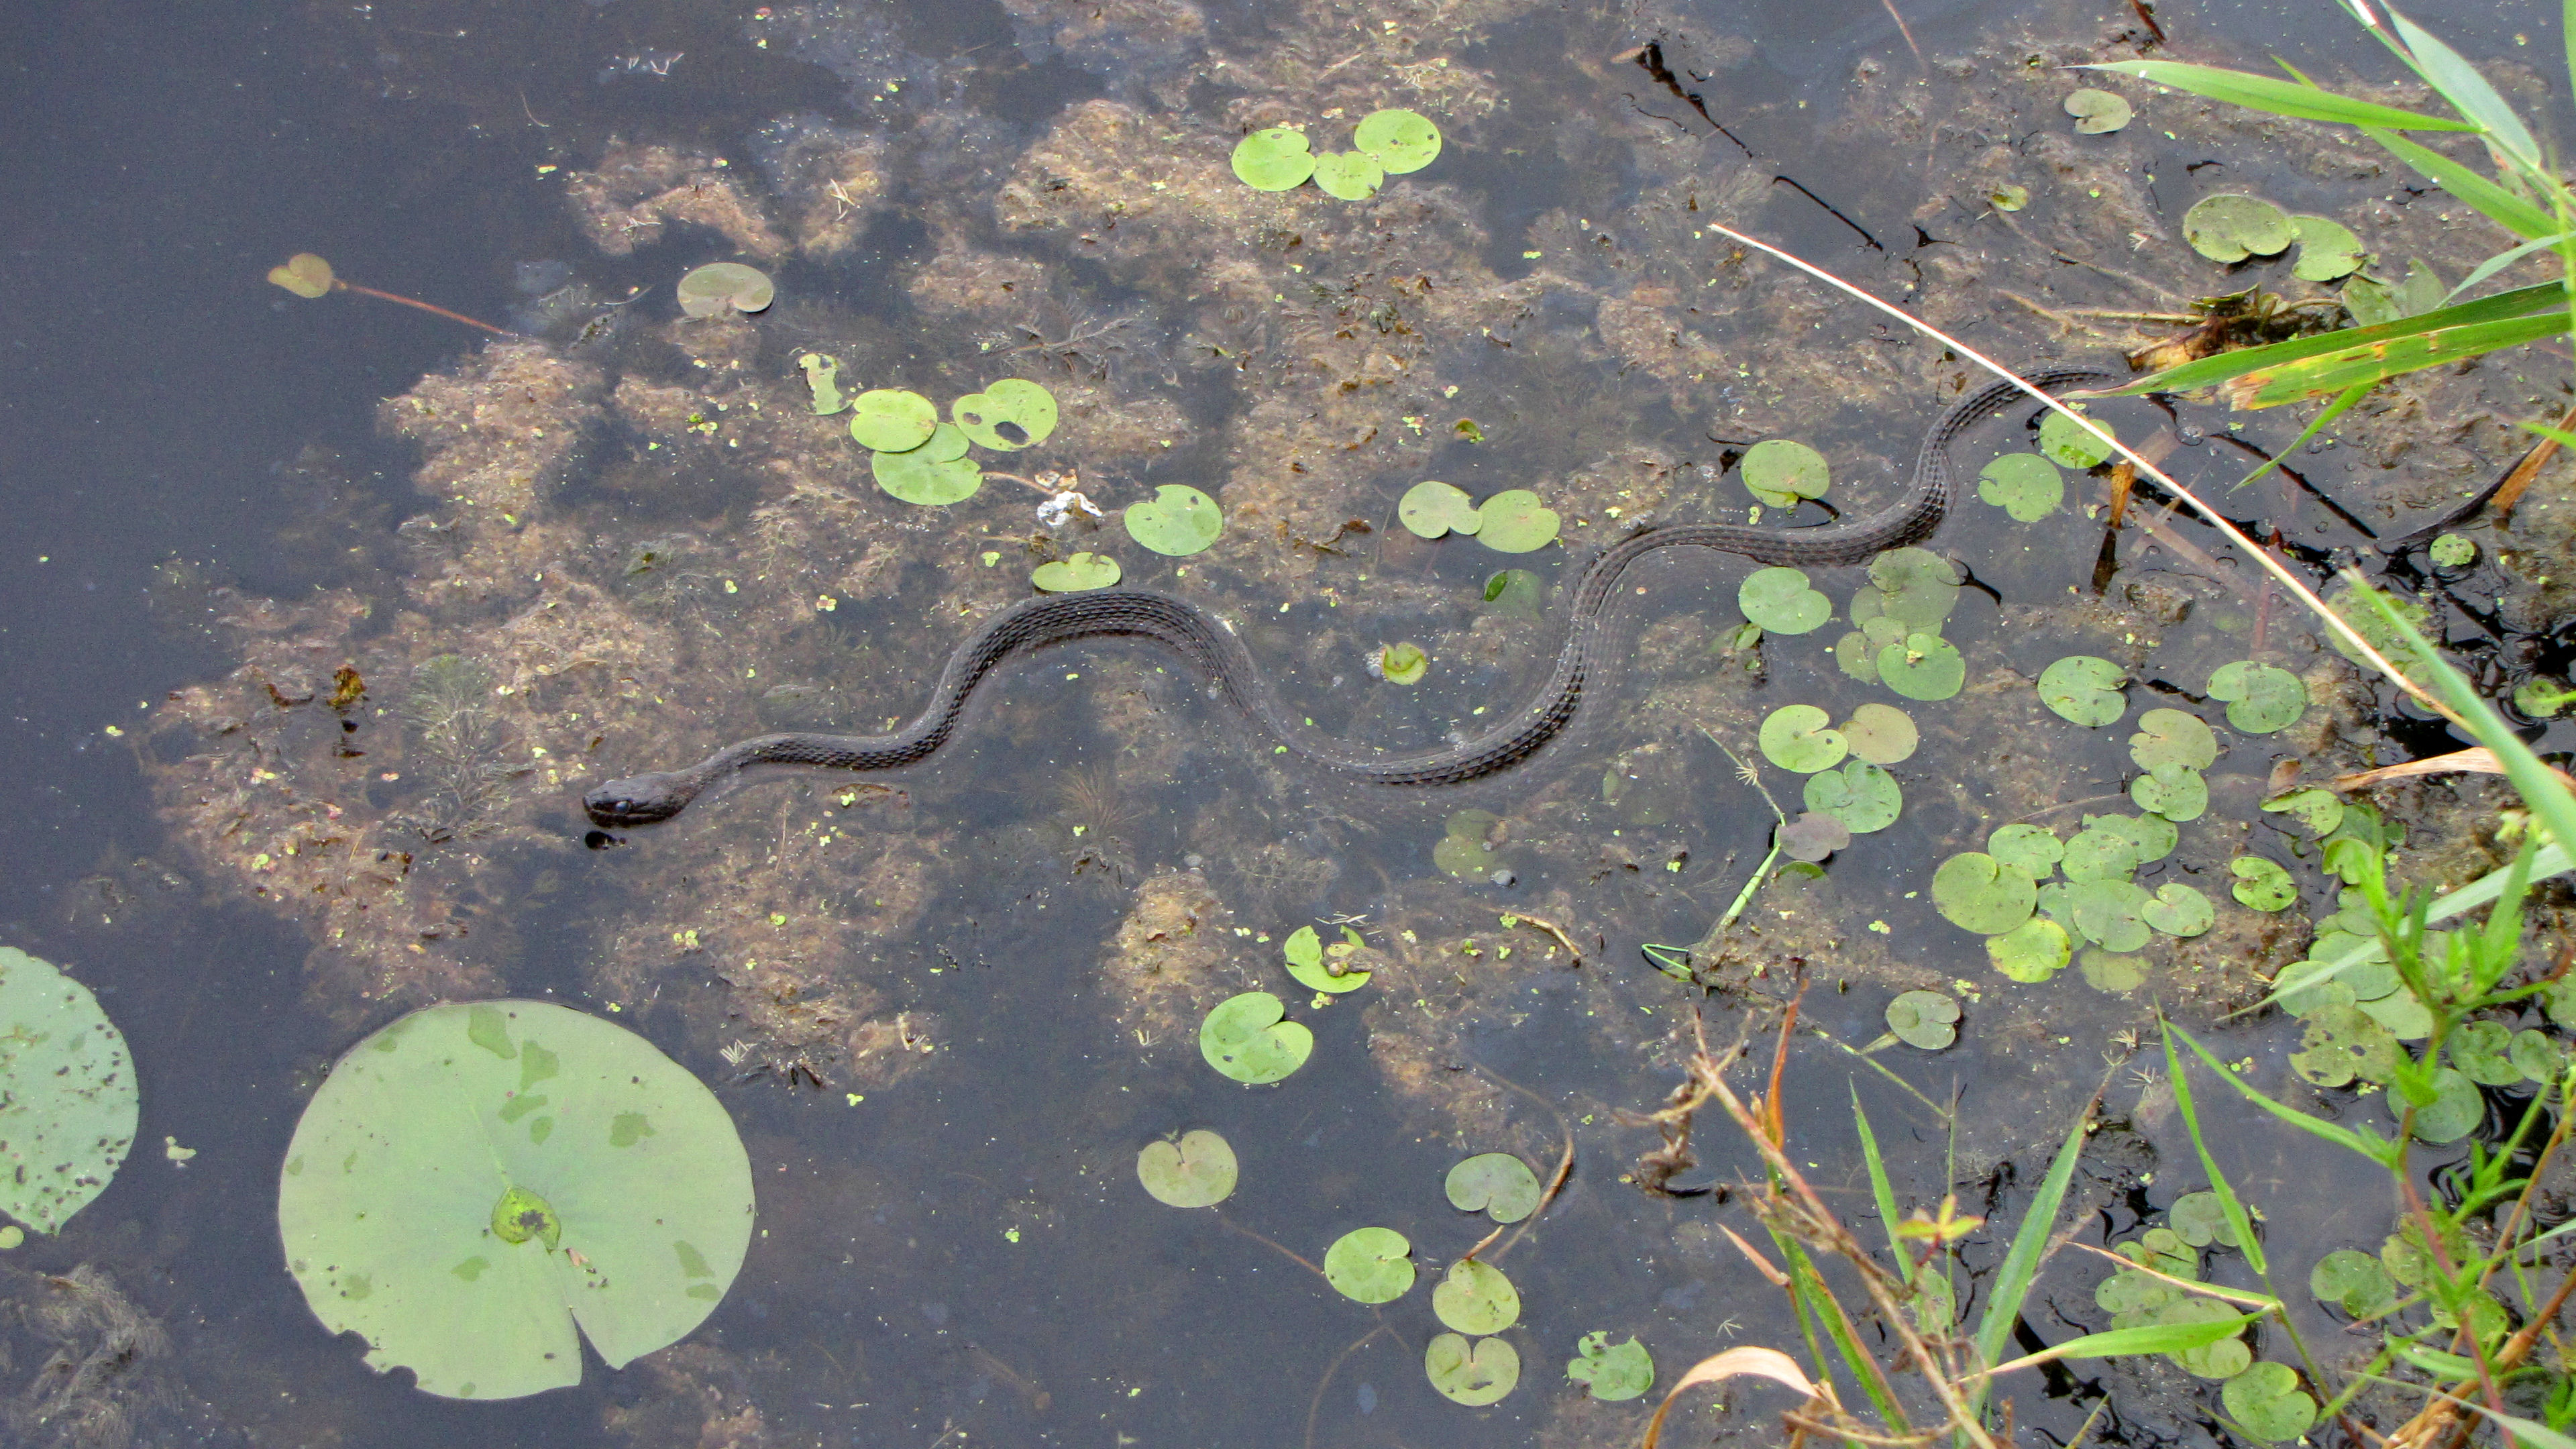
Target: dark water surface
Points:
(962, 1257)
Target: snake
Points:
(1208, 646)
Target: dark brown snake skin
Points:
(1208, 646)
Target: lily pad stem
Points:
(1744, 897)
(1016, 478)
(1317, 1402)
(1273, 1244)
(340, 286)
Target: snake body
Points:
(1207, 645)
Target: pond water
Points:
(946, 1008)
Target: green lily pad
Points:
(1273, 160)
(1073, 575)
(1860, 795)
(2034, 849)
(2541, 697)
(1245, 1038)
(2353, 1281)
(1780, 472)
(1194, 1170)
(1402, 141)
(2538, 1055)
(2026, 486)
(2085, 689)
(2070, 444)
(1464, 857)
(2097, 113)
(2319, 810)
(823, 383)
(2199, 1219)
(2455, 1111)
(2451, 551)
(1881, 734)
(1812, 836)
(67, 1094)
(1976, 892)
(2111, 971)
(1924, 1019)
(2171, 737)
(921, 478)
(1372, 1265)
(1494, 1183)
(1779, 600)
(892, 420)
(1611, 1371)
(1402, 663)
(2112, 913)
(1857, 656)
(1515, 593)
(2032, 951)
(2229, 228)
(2338, 1044)
(1926, 667)
(2261, 698)
(1474, 1374)
(1349, 175)
(1430, 509)
(1010, 414)
(1319, 967)
(2176, 792)
(2223, 1359)
(2130, 1296)
(2008, 197)
(2179, 910)
(476, 1178)
(1916, 587)
(720, 287)
(1514, 521)
(304, 274)
(2261, 884)
(2164, 1250)
(1475, 1298)
(1178, 520)
(2327, 249)
(2404, 1255)
(1802, 738)
(2483, 1051)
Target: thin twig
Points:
(1524, 918)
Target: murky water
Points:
(982, 992)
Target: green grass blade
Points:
(2515, 214)
(1819, 1299)
(2280, 97)
(2469, 94)
(2369, 1144)
(2551, 859)
(2520, 302)
(2373, 362)
(2239, 1221)
(2153, 1338)
(2021, 1261)
(2504, 259)
(2567, 33)
(2342, 404)
(1880, 1188)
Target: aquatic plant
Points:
(455, 744)
(309, 276)
(67, 1094)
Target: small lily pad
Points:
(2327, 249)
(1802, 738)
(1780, 472)
(1194, 1170)
(1372, 1265)
(1430, 509)
(2034, 849)
(2176, 792)
(917, 477)
(2353, 1281)
(1010, 414)
(2112, 971)
(2338, 1043)
(2070, 444)
(2171, 737)
(2026, 486)
(2199, 1219)
(2451, 551)
(1402, 663)
(1495, 1183)
(719, 287)
(1926, 667)
(1402, 141)
(1881, 734)
(2483, 1051)
(2319, 810)
(1073, 575)
(2267, 1403)
(67, 1094)
(2223, 1359)
(2261, 697)
(1349, 175)
(2032, 951)
(823, 383)
(304, 274)
(1924, 1019)
(2538, 1055)
(2097, 113)
(892, 419)
(1515, 521)
(2179, 910)
(2229, 228)
(2085, 689)
(1245, 1038)
(1475, 1298)
(2456, 1108)
(1178, 520)
(1319, 967)
(1611, 1371)
(2008, 197)
(1474, 1374)
(1975, 892)
(1916, 587)
(1812, 836)
(1274, 160)
(1779, 600)
(2261, 884)
(1860, 795)
(2111, 913)
(1515, 593)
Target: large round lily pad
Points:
(1401, 140)
(1274, 160)
(1178, 520)
(67, 1099)
(1195, 1169)
(476, 1178)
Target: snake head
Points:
(637, 799)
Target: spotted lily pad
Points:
(1274, 160)
(304, 274)
(1881, 734)
(2071, 444)
(1975, 892)
(2026, 486)
(1245, 1038)
(476, 1178)
(1860, 795)
(2229, 228)
(2034, 849)
(1474, 1374)
(1611, 1371)
(1515, 521)
(2096, 112)
(1402, 141)
(2176, 792)
(1178, 520)
(67, 1094)
(2179, 910)
(1780, 472)
(1319, 967)
(720, 287)
(2084, 689)
(1801, 737)
(2261, 697)
(2353, 1281)
(1925, 667)
(2171, 737)
(2451, 551)
(1430, 509)
(823, 383)
(2261, 884)
(2337, 1043)
(1010, 414)
(2110, 912)
(1475, 1298)
(2319, 810)
(1779, 600)
(2327, 249)
(1349, 175)
(1372, 1265)
(1072, 575)
(892, 420)
(1924, 1019)
(2032, 951)
(1495, 1183)
(2483, 1051)
(1194, 1170)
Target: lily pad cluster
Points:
(1513, 521)
(2009, 892)
(2262, 1397)
(2231, 228)
(1896, 626)
(1385, 143)
(916, 456)
(1849, 790)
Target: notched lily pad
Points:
(1926, 1020)
(1611, 1371)
(892, 419)
(2198, 1218)
(719, 287)
(1349, 175)
(2032, 951)
(1862, 796)
(1495, 1183)
(1194, 1170)
(1881, 734)
(2353, 1281)
(1976, 892)
(1402, 664)
(2262, 885)
(1273, 160)
(2229, 228)
(1802, 738)
(2035, 849)
(1245, 1038)
(2327, 249)
(2451, 551)
(1402, 141)
(1372, 1265)
(1812, 836)
(1515, 521)
(1177, 521)
(2097, 112)
(1780, 472)
(1317, 967)
(2085, 689)
(2026, 486)
(1475, 1298)
(1010, 414)
(2171, 737)
(1780, 600)
(1430, 509)
(2267, 1402)
(1925, 668)
(917, 477)
(2070, 444)
(304, 274)
(2179, 910)
(2319, 810)
(2176, 792)
(1474, 1374)
(2261, 698)
(1073, 575)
